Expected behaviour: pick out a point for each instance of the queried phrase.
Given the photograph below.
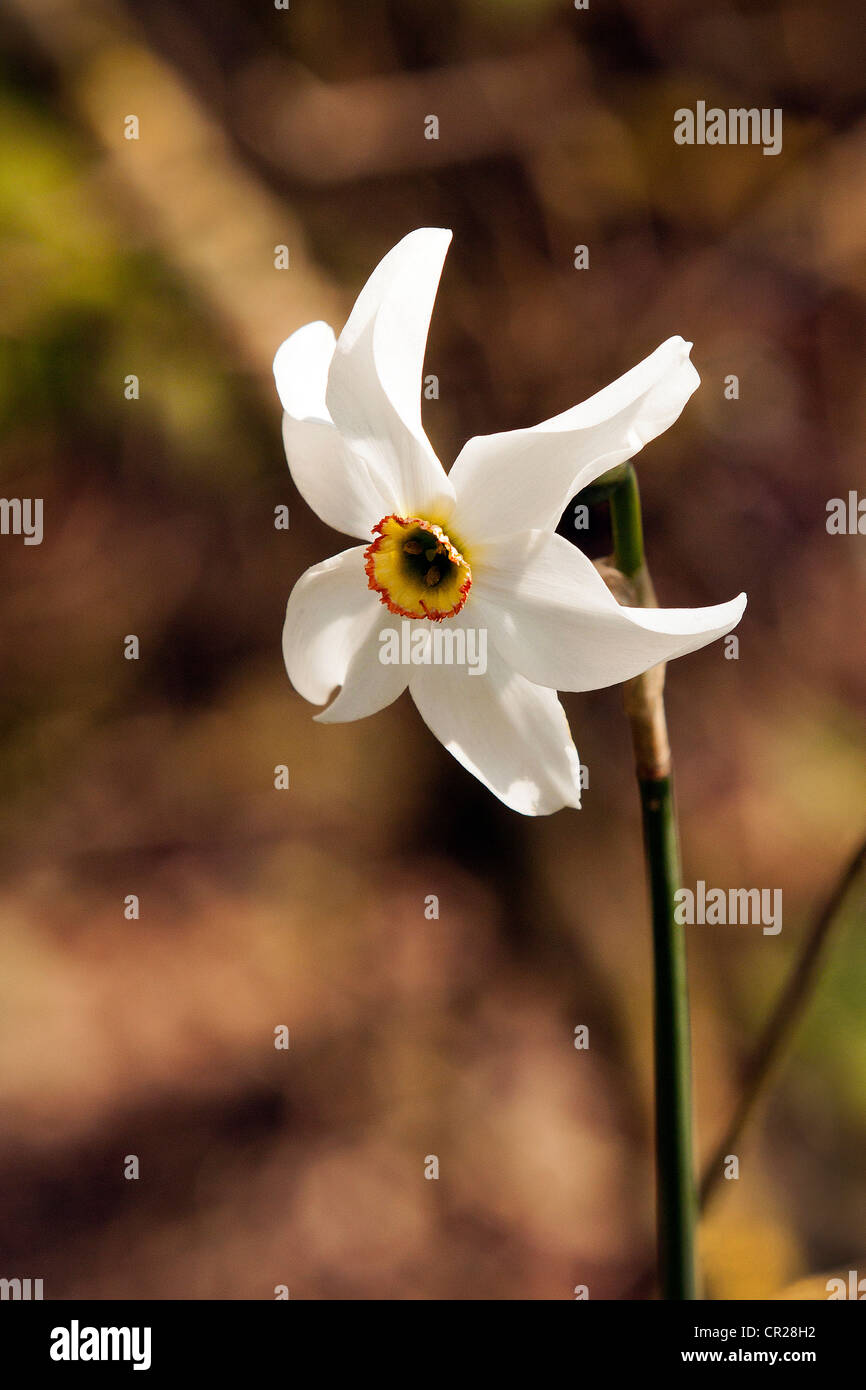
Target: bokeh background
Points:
(410, 1037)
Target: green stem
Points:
(676, 1203)
(676, 1198)
(626, 524)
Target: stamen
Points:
(413, 577)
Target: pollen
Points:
(416, 569)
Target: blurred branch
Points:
(182, 184)
(784, 1019)
(336, 132)
(777, 1034)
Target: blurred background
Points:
(305, 908)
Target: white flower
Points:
(473, 549)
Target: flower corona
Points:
(416, 570)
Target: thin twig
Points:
(777, 1034)
(784, 1019)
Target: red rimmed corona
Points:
(416, 569)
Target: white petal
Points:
(374, 386)
(523, 480)
(369, 684)
(553, 618)
(512, 735)
(334, 481)
(330, 613)
(301, 367)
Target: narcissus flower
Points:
(465, 554)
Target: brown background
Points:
(410, 1037)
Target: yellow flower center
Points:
(416, 570)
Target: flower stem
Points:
(675, 1180)
(626, 524)
(676, 1196)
